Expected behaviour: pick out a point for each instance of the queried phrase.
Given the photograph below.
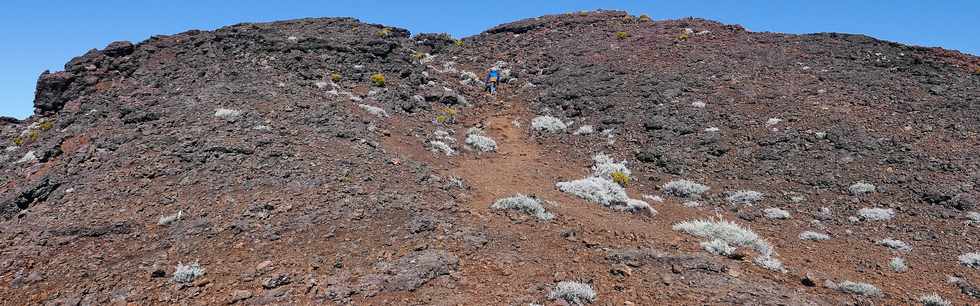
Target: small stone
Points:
(239, 295)
(275, 282)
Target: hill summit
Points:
(623, 161)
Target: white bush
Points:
(720, 229)
(813, 236)
(685, 188)
(637, 206)
(604, 166)
(934, 300)
(374, 110)
(29, 157)
(898, 264)
(773, 121)
(440, 146)
(864, 289)
(894, 244)
(594, 189)
(691, 204)
(769, 262)
(573, 293)
(525, 204)
(548, 123)
(698, 104)
(776, 213)
(970, 260)
(167, 220)
(653, 198)
(876, 214)
(744, 197)
(584, 130)
(973, 218)
(187, 273)
(227, 114)
(481, 143)
(718, 247)
(860, 188)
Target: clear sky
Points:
(39, 35)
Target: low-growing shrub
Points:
(374, 110)
(971, 260)
(584, 130)
(227, 114)
(718, 247)
(876, 214)
(813, 236)
(595, 189)
(769, 262)
(895, 244)
(683, 36)
(719, 229)
(645, 18)
(857, 288)
(335, 77)
(744, 197)
(898, 264)
(187, 273)
(481, 143)
(46, 125)
(170, 219)
(383, 33)
(573, 293)
(459, 43)
(378, 79)
(860, 188)
(621, 178)
(18, 141)
(441, 146)
(934, 300)
(685, 188)
(525, 204)
(604, 166)
(776, 213)
(622, 35)
(548, 123)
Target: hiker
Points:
(492, 78)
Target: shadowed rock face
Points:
(256, 143)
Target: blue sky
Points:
(40, 35)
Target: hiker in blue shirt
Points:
(492, 79)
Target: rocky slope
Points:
(332, 161)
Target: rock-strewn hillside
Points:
(332, 161)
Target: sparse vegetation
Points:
(595, 189)
(187, 273)
(857, 288)
(971, 260)
(335, 77)
(934, 300)
(46, 125)
(683, 36)
(573, 293)
(718, 247)
(18, 141)
(459, 43)
(525, 204)
(622, 35)
(383, 33)
(621, 178)
(476, 140)
(605, 167)
(584, 130)
(170, 219)
(861, 188)
(374, 110)
(721, 231)
(776, 213)
(895, 244)
(876, 214)
(685, 188)
(229, 115)
(548, 123)
(378, 79)
(898, 264)
(742, 197)
(813, 236)
(645, 18)
(448, 116)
